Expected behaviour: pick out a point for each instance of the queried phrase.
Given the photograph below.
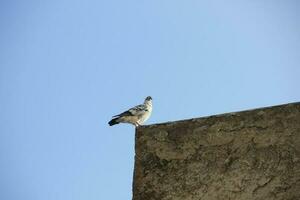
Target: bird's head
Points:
(148, 102)
(148, 98)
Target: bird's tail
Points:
(113, 122)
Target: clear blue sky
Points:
(67, 66)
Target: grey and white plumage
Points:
(136, 115)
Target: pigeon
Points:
(136, 115)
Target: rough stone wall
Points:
(246, 155)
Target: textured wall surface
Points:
(245, 155)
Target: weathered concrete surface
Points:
(246, 155)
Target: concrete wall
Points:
(246, 155)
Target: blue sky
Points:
(67, 66)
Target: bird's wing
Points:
(135, 111)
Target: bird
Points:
(136, 115)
